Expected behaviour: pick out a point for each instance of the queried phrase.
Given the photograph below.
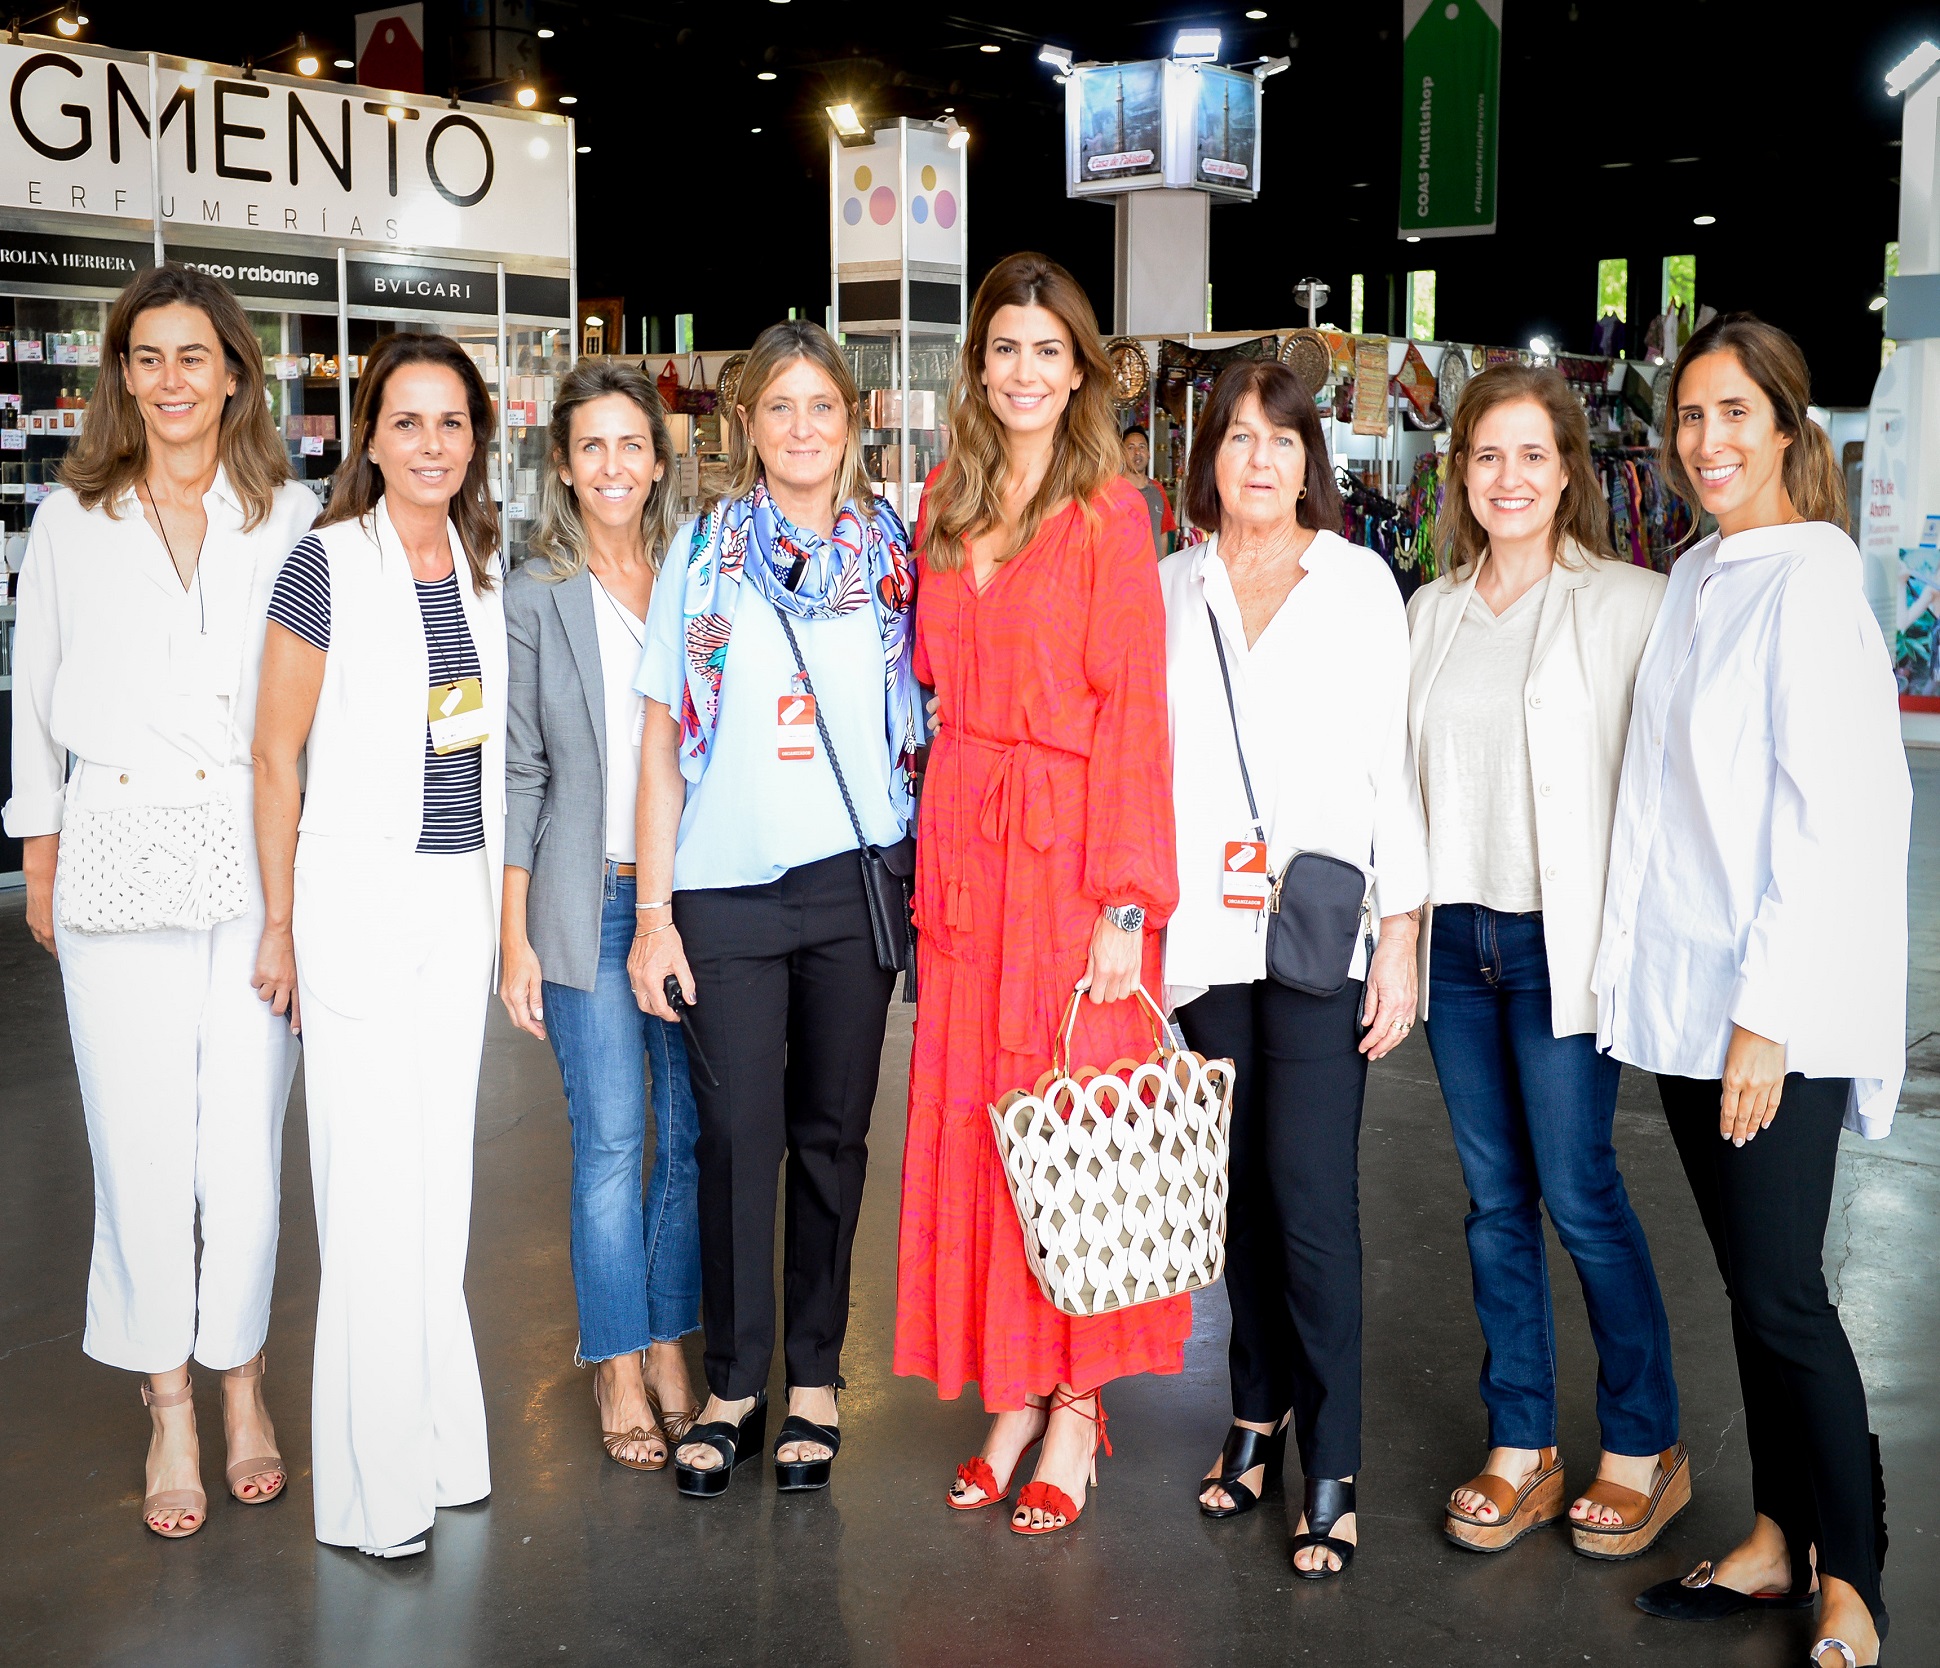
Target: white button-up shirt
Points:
(1322, 698)
(150, 684)
(1758, 863)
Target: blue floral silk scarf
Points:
(864, 560)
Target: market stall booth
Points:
(336, 213)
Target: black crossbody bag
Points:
(888, 872)
(1318, 903)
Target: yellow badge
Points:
(457, 716)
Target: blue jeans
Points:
(1532, 1114)
(636, 1265)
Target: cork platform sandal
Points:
(1519, 1511)
(183, 1502)
(1642, 1517)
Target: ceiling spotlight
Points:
(307, 62)
(1196, 45)
(990, 46)
(754, 130)
(1412, 238)
(1270, 66)
(584, 150)
(1903, 77)
(1256, 15)
(545, 34)
(527, 97)
(70, 22)
(846, 122)
(568, 98)
(1877, 304)
(1541, 346)
(959, 134)
(394, 112)
(344, 63)
(764, 75)
(1704, 220)
(1058, 57)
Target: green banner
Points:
(1451, 90)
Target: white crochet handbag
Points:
(137, 868)
(1120, 1176)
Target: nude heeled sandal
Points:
(263, 1465)
(177, 1500)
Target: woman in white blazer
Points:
(385, 672)
(1755, 947)
(1524, 654)
(137, 649)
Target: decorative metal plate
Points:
(1450, 379)
(1131, 372)
(730, 383)
(1308, 356)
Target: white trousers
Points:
(394, 971)
(184, 1077)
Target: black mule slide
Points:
(1328, 1500)
(1245, 1449)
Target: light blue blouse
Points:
(754, 815)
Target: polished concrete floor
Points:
(574, 1559)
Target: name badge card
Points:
(795, 727)
(457, 716)
(1243, 880)
(639, 720)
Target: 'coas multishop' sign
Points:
(271, 154)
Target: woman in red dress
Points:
(1045, 855)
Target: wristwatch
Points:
(1125, 917)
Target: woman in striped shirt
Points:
(384, 669)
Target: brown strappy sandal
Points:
(676, 1425)
(262, 1465)
(1537, 1503)
(616, 1442)
(177, 1500)
(1641, 1517)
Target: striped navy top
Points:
(453, 807)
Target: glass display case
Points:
(905, 408)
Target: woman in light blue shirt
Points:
(780, 738)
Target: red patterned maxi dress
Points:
(1048, 795)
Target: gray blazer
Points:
(555, 768)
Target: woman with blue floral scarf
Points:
(781, 725)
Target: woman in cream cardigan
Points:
(1524, 655)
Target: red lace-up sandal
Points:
(975, 1472)
(1048, 1497)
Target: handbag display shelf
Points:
(1120, 1176)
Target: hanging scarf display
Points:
(863, 562)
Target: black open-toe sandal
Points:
(1245, 1449)
(1328, 1500)
(734, 1443)
(793, 1475)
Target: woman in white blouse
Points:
(1524, 655)
(1755, 946)
(137, 649)
(1286, 641)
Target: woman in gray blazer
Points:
(575, 619)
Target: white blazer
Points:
(1595, 622)
(363, 804)
(152, 687)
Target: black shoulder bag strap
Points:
(888, 872)
(1232, 712)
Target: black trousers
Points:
(1293, 1230)
(1814, 1467)
(790, 1014)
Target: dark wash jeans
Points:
(1532, 1114)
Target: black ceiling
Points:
(1781, 112)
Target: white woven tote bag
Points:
(1120, 1176)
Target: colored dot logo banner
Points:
(882, 205)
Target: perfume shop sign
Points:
(274, 154)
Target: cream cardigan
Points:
(1596, 619)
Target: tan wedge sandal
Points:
(1641, 1517)
(263, 1465)
(1537, 1503)
(177, 1500)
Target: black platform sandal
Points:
(734, 1443)
(1245, 1449)
(1327, 1501)
(795, 1475)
